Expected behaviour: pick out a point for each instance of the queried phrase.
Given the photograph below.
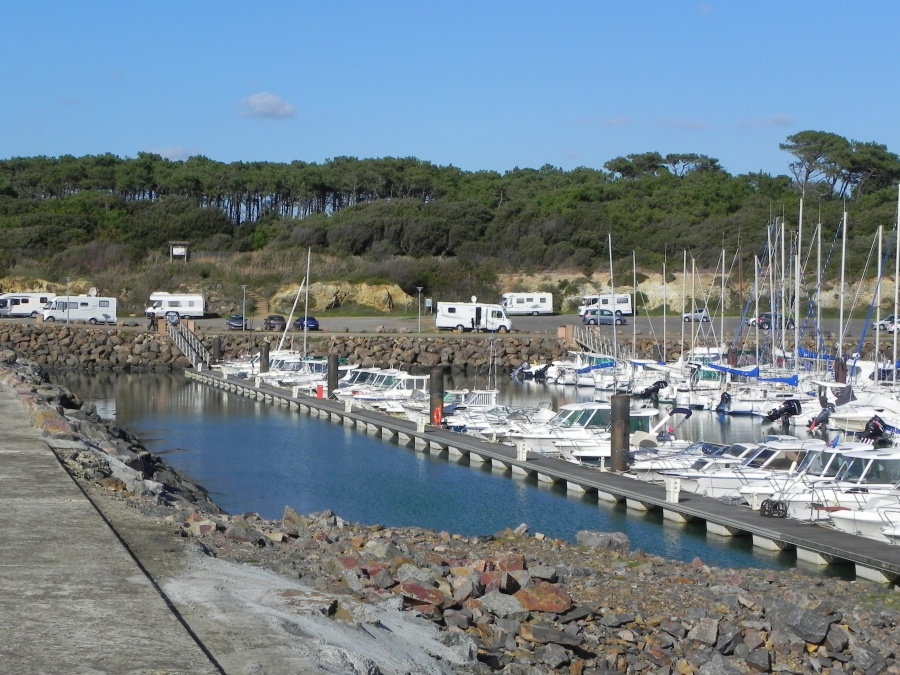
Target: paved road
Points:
(538, 325)
(549, 325)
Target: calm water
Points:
(256, 457)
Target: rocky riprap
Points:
(515, 602)
(528, 604)
(95, 449)
(92, 349)
(138, 350)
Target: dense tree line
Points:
(656, 206)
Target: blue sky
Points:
(486, 84)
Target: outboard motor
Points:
(875, 428)
(724, 402)
(653, 390)
(787, 409)
(822, 418)
(540, 375)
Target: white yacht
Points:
(767, 459)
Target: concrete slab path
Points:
(72, 598)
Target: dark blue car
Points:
(236, 322)
(311, 323)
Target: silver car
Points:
(602, 317)
(697, 314)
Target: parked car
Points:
(602, 317)
(767, 319)
(696, 314)
(274, 322)
(236, 322)
(887, 323)
(311, 323)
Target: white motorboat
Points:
(863, 472)
(581, 420)
(249, 365)
(877, 518)
(649, 467)
(819, 466)
(595, 446)
(759, 465)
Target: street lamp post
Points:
(419, 304)
(244, 307)
(68, 298)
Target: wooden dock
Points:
(814, 544)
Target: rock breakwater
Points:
(138, 350)
(90, 349)
(94, 449)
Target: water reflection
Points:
(257, 457)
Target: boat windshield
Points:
(589, 417)
(819, 463)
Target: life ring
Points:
(436, 416)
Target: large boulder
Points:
(613, 541)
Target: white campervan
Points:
(87, 308)
(622, 304)
(471, 316)
(528, 303)
(24, 304)
(185, 305)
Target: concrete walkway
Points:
(72, 599)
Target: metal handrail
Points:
(189, 344)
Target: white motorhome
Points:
(622, 304)
(471, 316)
(185, 305)
(89, 308)
(24, 304)
(528, 303)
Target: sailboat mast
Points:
(843, 265)
(756, 305)
(287, 326)
(818, 291)
(797, 292)
(683, 298)
(782, 308)
(612, 289)
(664, 351)
(306, 302)
(634, 312)
(797, 315)
(878, 312)
(896, 279)
(722, 299)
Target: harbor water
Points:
(256, 457)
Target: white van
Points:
(528, 303)
(622, 304)
(89, 308)
(471, 316)
(24, 304)
(185, 305)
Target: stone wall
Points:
(82, 348)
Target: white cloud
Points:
(266, 105)
(766, 122)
